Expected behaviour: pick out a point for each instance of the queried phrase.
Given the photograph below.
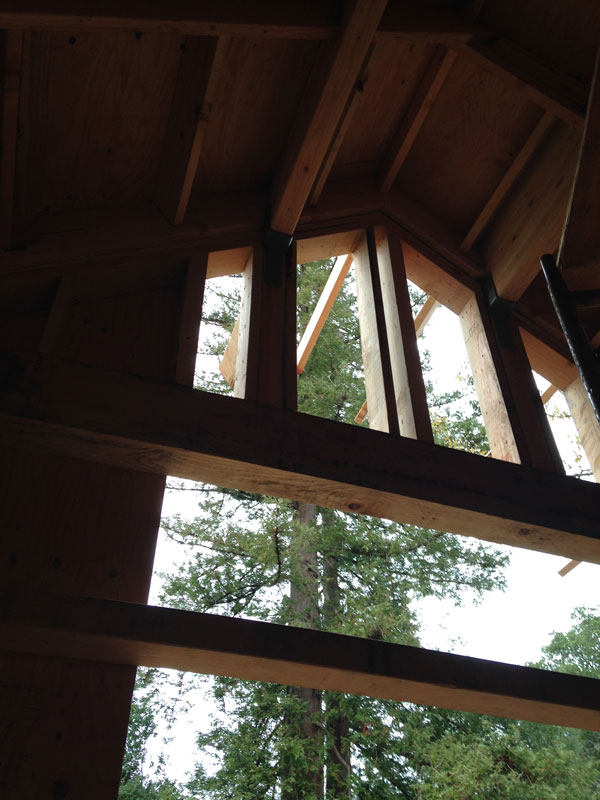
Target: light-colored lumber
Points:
(424, 314)
(58, 406)
(427, 91)
(228, 362)
(409, 388)
(11, 43)
(342, 129)
(485, 375)
(548, 394)
(530, 221)
(580, 242)
(570, 565)
(192, 296)
(244, 375)
(547, 361)
(379, 382)
(318, 119)
(322, 310)
(421, 320)
(197, 81)
(508, 181)
(91, 628)
(585, 422)
(557, 93)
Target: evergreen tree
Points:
(314, 567)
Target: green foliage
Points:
(360, 576)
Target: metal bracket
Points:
(500, 310)
(277, 246)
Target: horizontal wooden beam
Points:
(127, 633)
(294, 19)
(51, 404)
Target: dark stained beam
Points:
(318, 118)
(128, 633)
(47, 403)
(197, 81)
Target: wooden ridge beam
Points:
(195, 89)
(580, 241)
(563, 96)
(48, 403)
(128, 633)
(336, 75)
(508, 180)
(427, 91)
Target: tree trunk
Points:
(338, 760)
(304, 593)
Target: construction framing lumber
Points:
(425, 313)
(322, 310)
(317, 121)
(508, 181)
(189, 321)
(580, 242)
(197, 81)
(559, 94)
(127, 633)
(427, 91)
(55, 405)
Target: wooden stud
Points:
(322, 310)
(585, 422)
(47, 403)
(199, 72)
(580, 242)
(379, 382)
(91, 628)
(228, 363)
(244, 376)
(11, 45)
(409, 387)
(427, 91)
(318, 119)
(192, 296)
(509, 179)
(548, 394)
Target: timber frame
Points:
(137, 164)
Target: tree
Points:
(298, 564)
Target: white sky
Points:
(509, 626)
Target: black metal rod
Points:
(584, 357)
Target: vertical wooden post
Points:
(409, 386)
(586, 423)
(189, 320)
(375, 350)
(266, 353)
(513, 413)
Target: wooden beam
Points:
(192, 296)
(530, 220)
(547, 362)
(580, 242)
(112, 631)
(11, 45)
(51, 404)
(379, 380)
(409, 387)
(318, 119)
(228, 362)
(509, 179)
(342, 129)
(322, 310)
(197, 82)
(563, 96)
(585, 422)
(548, 394)
(420, 106)
(424, 314)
